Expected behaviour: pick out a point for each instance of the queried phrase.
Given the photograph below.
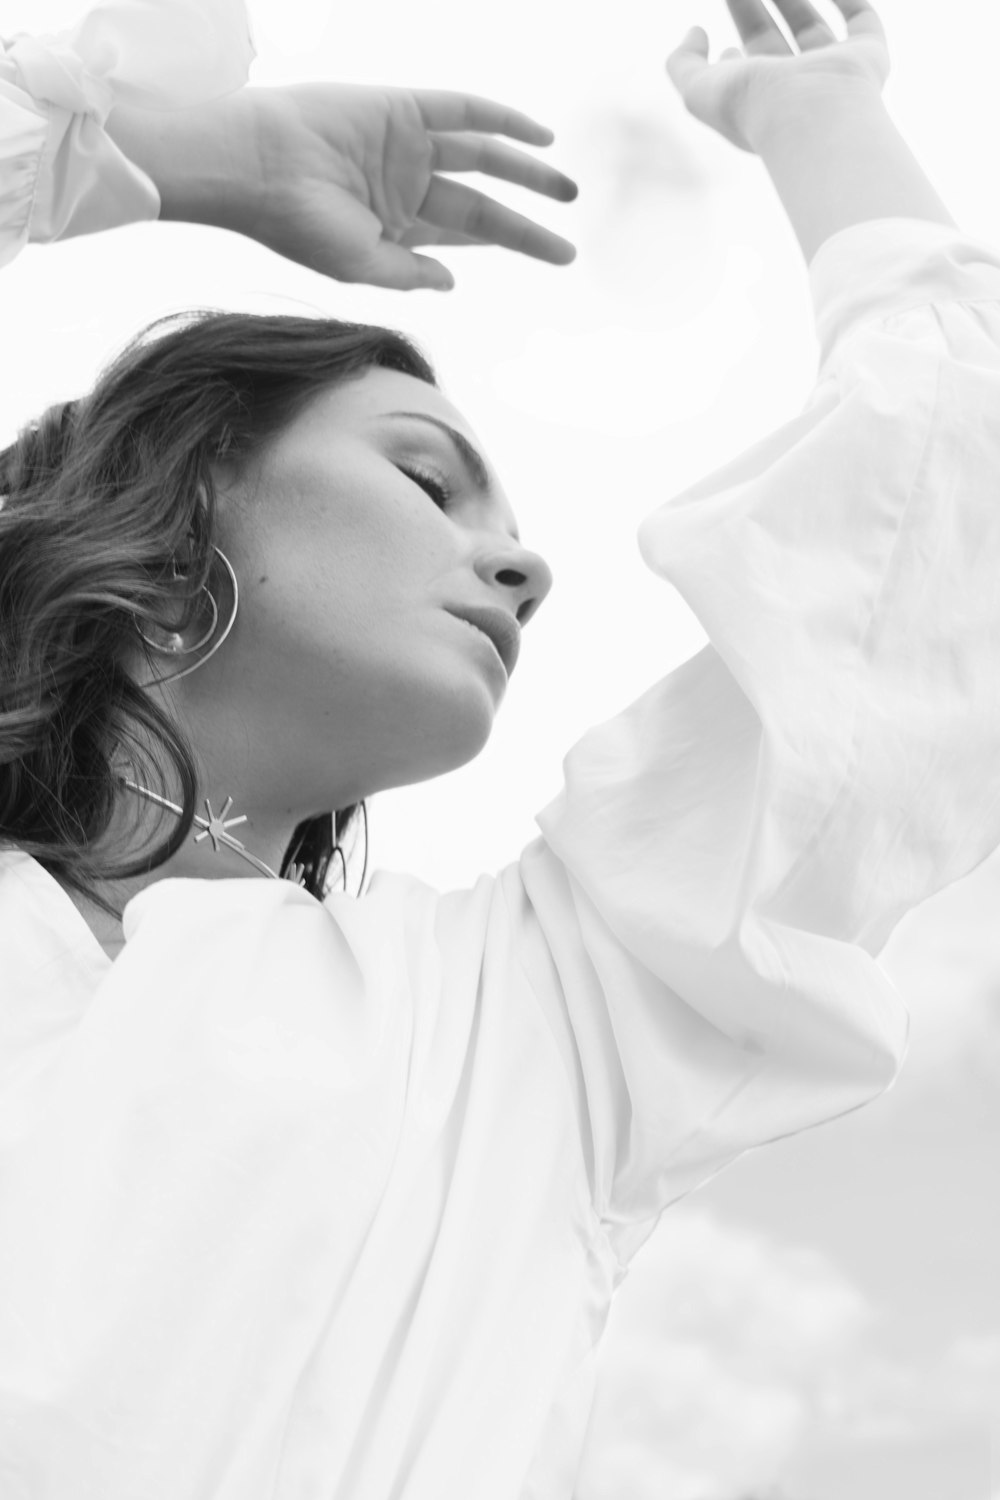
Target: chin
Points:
(470, 737)
(457, 733)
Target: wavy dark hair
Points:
(104, 525)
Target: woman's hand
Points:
(815, 117)
(352, 184)
(345, 178)
(746, 93)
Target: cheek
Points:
(362, 567)
(369, 528)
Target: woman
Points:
(332, 1198)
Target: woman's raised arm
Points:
(344, 178)
(815, 118)
(140, 112)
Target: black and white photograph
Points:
(499, 750)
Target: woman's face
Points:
(347, 671)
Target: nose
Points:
(521, 579)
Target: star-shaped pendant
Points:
(218, 827)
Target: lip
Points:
(502, 629)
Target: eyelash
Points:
(438, 491)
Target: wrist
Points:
(198, 158)
(836, 160)
(802, 109)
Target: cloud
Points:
(727, 1350)
(960, 1385)
(722, 1346)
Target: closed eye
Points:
(436, 488)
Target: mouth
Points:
(500, 627)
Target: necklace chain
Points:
(216, 828)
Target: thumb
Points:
(401, 270)
(689, 59)
(697, 39)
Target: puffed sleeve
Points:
(60, 172)
(702, 916)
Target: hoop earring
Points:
(177, 649)
(175, 643)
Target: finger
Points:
(476, 153)
(396, 267)
(806, 24)
(759, 31)
(862, 19)
(432, 234)
(687, 62)
(452, 205)
(447, 109)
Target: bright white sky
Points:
(841, 1324)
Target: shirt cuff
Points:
(74, 179)
(877, 269)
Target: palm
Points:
(352, 185)
(734, 93)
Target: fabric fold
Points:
(738, 845)
(71, 178)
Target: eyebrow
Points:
(471, 458)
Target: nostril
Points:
(511, 576)
(525, 611)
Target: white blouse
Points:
(331, 1200)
